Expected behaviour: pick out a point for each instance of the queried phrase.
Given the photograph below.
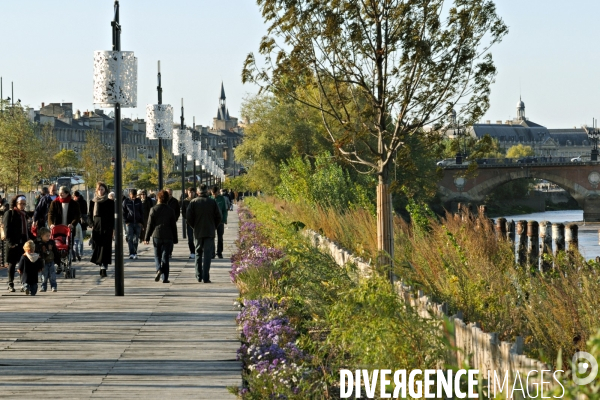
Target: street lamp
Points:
(196, 147)
(182, 145)
(159, 125)
(115, 84)
(594, 135)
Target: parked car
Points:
(68, 181)
(242, 171)
(576, 159)
(446, 162)
(190, 179)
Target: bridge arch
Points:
(482, 190)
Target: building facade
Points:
(567, 142)
(73, 128)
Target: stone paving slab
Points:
(159, 341)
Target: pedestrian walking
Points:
(174, 204)
(162, 228)
(101, 215)
(147, 205)
(203, 215)
(64, 210)
(40, 214)
(15, 235)
(224, 208)
(46, 248)
(133, 215)
(191, 195)
(78, 242)
(29, 266)
(83, 209)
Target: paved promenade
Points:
(159, 341)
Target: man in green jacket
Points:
(223, 207)
(204, 216)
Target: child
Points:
(49, 254)
(29, 266)
(78, 242)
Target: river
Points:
(588, 232)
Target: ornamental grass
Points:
(461, 262)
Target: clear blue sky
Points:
(550, 55)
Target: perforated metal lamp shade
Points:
(195, 153)
(115, 79)
(182, 142)
(159, 121)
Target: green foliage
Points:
(519, 150)
(370, 316)
(21, 149)
(67, 160)
(324, 184)
(343, 322)
(95, 160)
(279, 130)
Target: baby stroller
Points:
(63, 237)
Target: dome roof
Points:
(520, 104)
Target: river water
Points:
(588, 232)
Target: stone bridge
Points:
(581, 180)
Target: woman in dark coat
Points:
(102, 218)
(16, 234)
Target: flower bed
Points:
(303, 317)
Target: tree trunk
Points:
(385, 227)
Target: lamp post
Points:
(159, 125)
(115, 84)
(458, 133)
(594, 135)
(182, 145)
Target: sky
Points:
(549, 57)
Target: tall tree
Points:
(47, 164)
(95, 159)
(280, 128)
(20, 148)
(381, 70)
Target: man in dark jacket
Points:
(163, 230)
(174, 204)
(83, 209)
(147, 205)
(203, 215)
(224, 208)
(133, 217)
(191, 195)
(40, 215)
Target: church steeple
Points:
(222, 113)
(520, 110)
(222, 98)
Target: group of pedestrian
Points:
(30, 254)
(144, 220)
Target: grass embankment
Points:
(464, 265)
(303, 317)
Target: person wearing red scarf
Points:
(15, 235)
(63, 211)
